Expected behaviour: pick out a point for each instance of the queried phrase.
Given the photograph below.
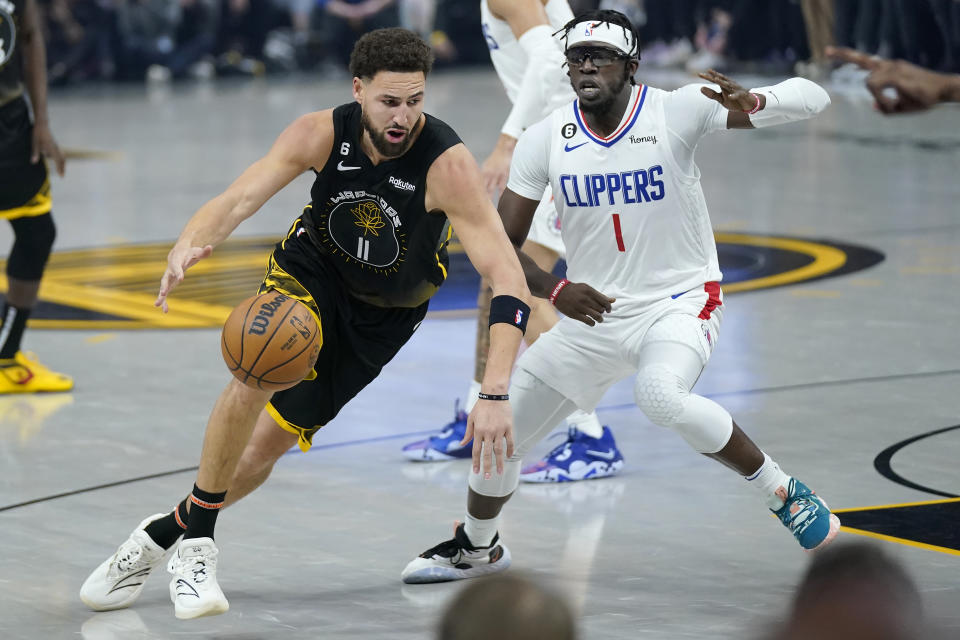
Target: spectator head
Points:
(390, 68)
(507, 607)
(855, 591)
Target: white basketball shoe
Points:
(193, 588)
(457, 559)
(119, 579)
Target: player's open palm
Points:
(584, 303)
(179, 260)
(731, 95)
(490, 424)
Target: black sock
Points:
(11, 331)
(204, 509)
(168, 529)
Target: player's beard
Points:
(604, 105)
(379, 139)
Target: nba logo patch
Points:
(706, 334)
(588, 31)
(518, 318)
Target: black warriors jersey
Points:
(369, 222)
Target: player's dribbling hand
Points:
(732, 95)
(179, 260)
(490, 424)
(584, 303)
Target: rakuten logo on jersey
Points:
(400, 184)
(626, 187)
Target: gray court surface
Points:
(823, 375)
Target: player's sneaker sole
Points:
(591, 471)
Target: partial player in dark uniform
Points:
(24, 190)
(365, 256)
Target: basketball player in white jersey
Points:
(643, 298)
(529, 60)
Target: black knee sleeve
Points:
(32, 242)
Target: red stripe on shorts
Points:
(713, 299)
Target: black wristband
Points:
(493, 396)
(509, 310)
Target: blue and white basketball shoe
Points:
(806, 516)
(444, 445)
(580, 457)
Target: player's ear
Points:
(358, 90)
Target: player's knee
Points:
(33, 241)
(661, 394)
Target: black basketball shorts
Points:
(357, 339)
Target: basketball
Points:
(270, 342)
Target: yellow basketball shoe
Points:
(23, 373)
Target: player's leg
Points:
(475, 549)
(25, 201)
(671, 358)
(119, 580)
(589, 449)
(20, 372)
(193, 588)
(238, 428)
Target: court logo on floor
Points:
(115, 287)
(931, 524)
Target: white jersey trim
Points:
(608, 141)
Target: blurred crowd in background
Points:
(160, 40)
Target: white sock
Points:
(471, 397)
(587, 423)
(768, 479)
(480, 532)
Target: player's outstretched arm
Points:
(543, 77)
(454, 186)
(577, 300)
(304, 144)
(792, 100)
(913, 88)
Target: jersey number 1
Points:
(618, 233)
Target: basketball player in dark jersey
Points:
(24, 190)
(365, 255)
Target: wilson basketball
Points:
(270, 342)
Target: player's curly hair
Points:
(612, 17)
(393, 49)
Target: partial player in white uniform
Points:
(528, 57)
(635, 224)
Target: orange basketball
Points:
(270, 341)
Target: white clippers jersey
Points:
(510, 60)
(633, 217)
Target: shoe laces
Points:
(453, 548)
(129, 557)
(446, 549)
(198, 568)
